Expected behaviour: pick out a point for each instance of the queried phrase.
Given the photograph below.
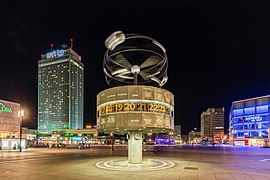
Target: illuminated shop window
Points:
(246, 133)
(264, 117)
(238, 120)
(250, 110)
(262, 109)
(264, 133)
(237, 112)
(264, 125)
(254, 134)
(246, 126)
(240, 134)
(238, 127)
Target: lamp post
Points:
(112, 135)
(21, 114)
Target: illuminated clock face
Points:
(149, 106)
(129, 108)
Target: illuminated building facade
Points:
(177, 130)
(60, 91)
(9, 121)
(10, 126)
(205, 124)
(249, 118)
(194, 137)
(212, 123)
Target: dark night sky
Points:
(218, 51)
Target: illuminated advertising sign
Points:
(55, 53)
(3, 108)
(253, 118)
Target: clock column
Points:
(135, 147)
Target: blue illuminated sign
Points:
(78, 139)
(253, 118)
(55, 53)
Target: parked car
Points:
(152, 149)
(62, 145)
(86, 145)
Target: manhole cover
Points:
(191, 168)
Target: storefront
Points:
(249, 119)
(11, 144)
(9, 125)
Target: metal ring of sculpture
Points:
(134, 59)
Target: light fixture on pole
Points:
(20, 115)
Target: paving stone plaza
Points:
(182, 162)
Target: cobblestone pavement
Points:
(190, 162)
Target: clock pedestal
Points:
(135, 147)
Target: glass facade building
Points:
(249, 118)
(60, 91)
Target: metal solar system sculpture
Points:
(134, 59)
(134, 65)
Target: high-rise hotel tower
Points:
(60, 91)
(212, 123)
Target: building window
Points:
(238, 120)
(250, 103)
(238, 105)
(237, 112)
(262, 101)
(262, 109)
(250, 110)
(238, 127)
(254, 134)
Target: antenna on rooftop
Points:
(71, 43)
(64, 46)
(51, 47)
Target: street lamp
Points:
(112, 135)
(20, 115)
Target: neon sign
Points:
(4, 108)
(56, 53)
(253, 118)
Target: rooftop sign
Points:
(55, 53)
(3, 108)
